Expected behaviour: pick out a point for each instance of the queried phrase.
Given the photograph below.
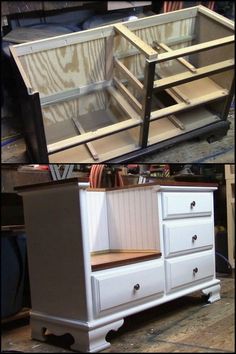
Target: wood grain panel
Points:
(63, 111)
(207, 30)
(59, 69)
(115, 259)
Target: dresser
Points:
(98, 255)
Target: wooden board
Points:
(199, 88)
(163, 129)
(216, 54)
(57, 70)
(115, 259)
(107, 148)
(63, 111)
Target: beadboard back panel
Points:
(133, 219)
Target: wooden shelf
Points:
(119, 258)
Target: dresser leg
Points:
(86, 338)
(93, 340)
(213, 292)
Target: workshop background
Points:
(24, 21)
(169, 327)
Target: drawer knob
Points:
(194, 238)
(195, 270)
(193, 204)
(136, 287)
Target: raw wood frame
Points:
(140, 114)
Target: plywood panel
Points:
(74, 108)
(207, 29)
(163, 33)
(56, 70)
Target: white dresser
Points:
(99, 255)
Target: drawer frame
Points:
(143, 115)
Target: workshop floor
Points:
(198, 151)
(187, 324)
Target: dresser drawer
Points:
(186, 204)
(127, 284)
(188, 235)
(187, 270)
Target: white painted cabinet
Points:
(97, 256)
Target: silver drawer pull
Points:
(195, 270)
(136, 287)
(194, 238)
(193, 204)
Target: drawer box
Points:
(121, 287)
(186, 204)
(185, 236)
(187, 270)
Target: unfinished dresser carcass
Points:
(99, 255)
(119, 91)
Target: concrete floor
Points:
(193, 151)
(187, 325)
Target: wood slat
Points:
(132, 79)
(188, 76)
(90, 136)
(89, 146)
(169, 41)
(217, 17)
(195, 48)
(73, 93)
(162, 19)
(183, 106)
(128, 95)
(181, 60)
(123, 103)
(146, 49)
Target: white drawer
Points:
(127, 284)
(187, 270)
(186, 236)
(186, 204)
